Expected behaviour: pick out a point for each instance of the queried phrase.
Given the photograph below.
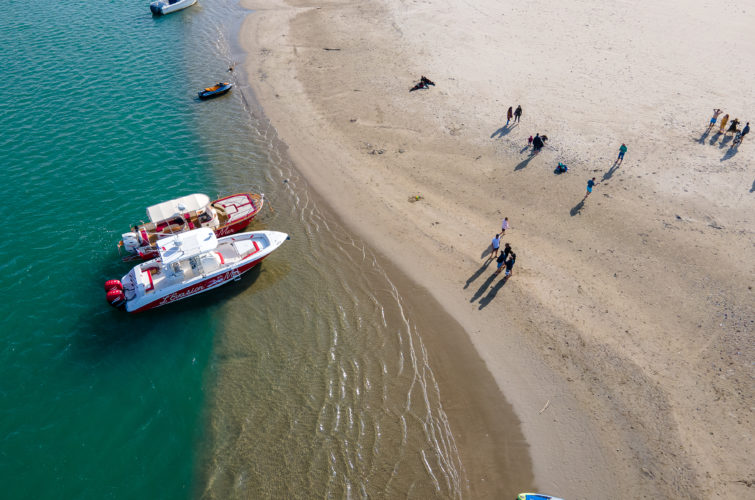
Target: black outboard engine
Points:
(156, 8)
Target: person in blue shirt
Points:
(622, 151)
(590, 184)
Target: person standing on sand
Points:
(713, 119)
(496, 244)
(517, 113)
(733, 126)
(501, 260)
(510, 264)
(745, 131)
(590, 184)
(622, 150)
(509, 115)
(724, 120)
(504, 225)
(537, 143)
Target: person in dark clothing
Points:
(733, 126)
(745, 131)
(509, 115)
(517, 113)
(510, 264)
(501, 260)
(537, 143)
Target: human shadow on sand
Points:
(478, 273)
(492, 293)
(725, 141)
(488, 252)
(577, 208)
(483, 287)
(523, 164)
(730, 153)
(715, 137)
(752, 189)
(612, 170)
(702, 138)
(503, 130)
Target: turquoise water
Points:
(99, 122)
(309, 378)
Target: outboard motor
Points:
(156, 8)
(130, 242)
(114, 293)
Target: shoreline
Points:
(616, 417)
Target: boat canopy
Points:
(185, 245)
(171, 208)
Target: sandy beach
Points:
(623, 339)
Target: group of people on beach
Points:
(739, 135)
(515, 115)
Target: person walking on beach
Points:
(713, 119)
(504, 225)
(496, 244)
(724, 120)
(510, 264)
(529, 141)
(509, 115)
(517, 113)
(745, 131)
(622, 151)
(590, 185)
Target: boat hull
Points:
(160, 8)
(197, 288)
(215, 93)
(235, 255)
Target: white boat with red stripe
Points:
(227, 215)
(190, 263)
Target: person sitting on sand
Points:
(427, 81)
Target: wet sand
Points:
(622, 340)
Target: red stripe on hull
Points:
(200, 287)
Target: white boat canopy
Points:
(171, 208)
(185, 245)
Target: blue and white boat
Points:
(536, 496)
(160, 7)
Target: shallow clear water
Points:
(307, 378)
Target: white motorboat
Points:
(190, 263)
(161, 7)
(225, 216)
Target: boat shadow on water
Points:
(106, 327)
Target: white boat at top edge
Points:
(190, 263)
(161, 7)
